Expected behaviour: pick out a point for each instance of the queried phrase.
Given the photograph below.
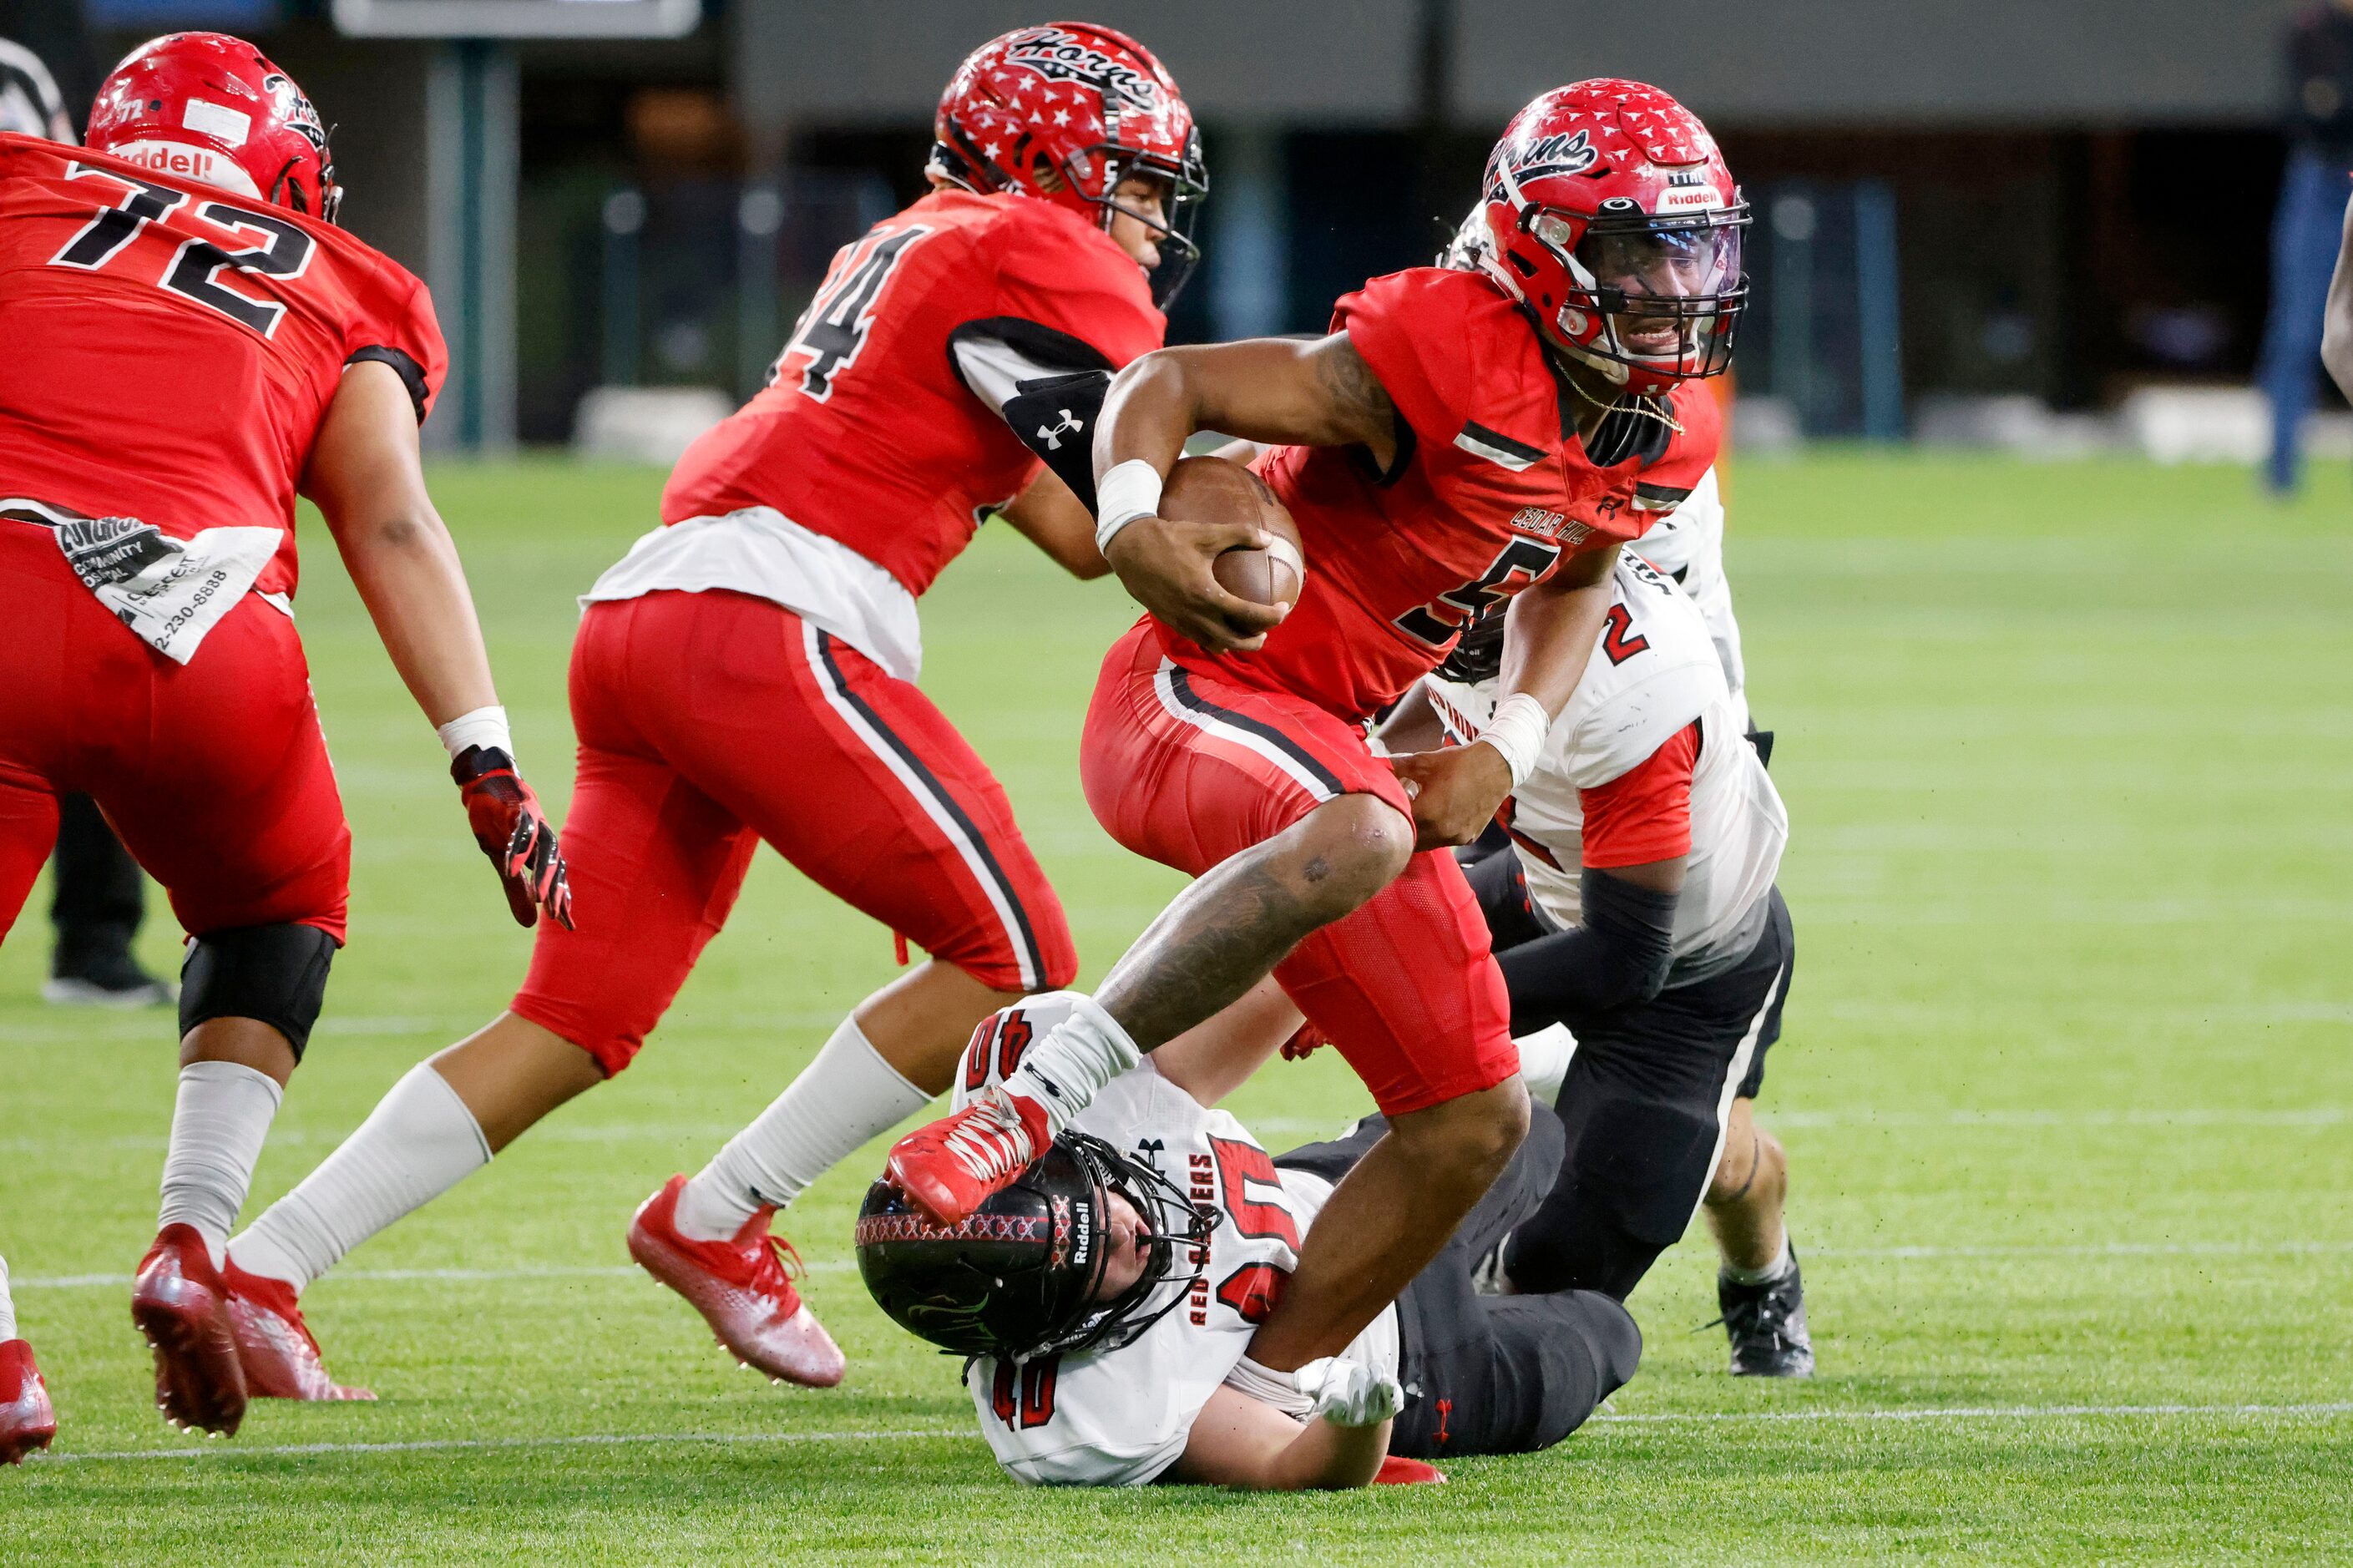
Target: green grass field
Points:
(2066, 1088)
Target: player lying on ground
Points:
(191, 342)
(1107, 1297)
(1460, 439)
(747, 673)
(1635, 906)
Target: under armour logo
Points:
(1052, 434)
(1445, 1409)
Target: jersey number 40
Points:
(196, 268)
(833, 329)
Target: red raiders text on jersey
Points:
(173, 347)
(1490, 485)
(921, 386)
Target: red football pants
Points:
(1187, 770)
(709, 721)
(214, 772)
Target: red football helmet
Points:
(1610, 213)
(1067, 111)
(208, 107)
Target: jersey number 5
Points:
(196, 268)
(834, 328)
(1521, 562)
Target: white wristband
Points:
(1279, 1389)
(482, 727)
(1518, 731)
(1131, 490)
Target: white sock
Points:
(839, 1100)
(1776, 1269)
(218, 1123)
(1545, 1057)
(7, 1307)
(418, 1142)
(1065, 1070)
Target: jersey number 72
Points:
(195, 270)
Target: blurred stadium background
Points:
(2005, 223)
(2066, 746)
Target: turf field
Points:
(2066, 1088)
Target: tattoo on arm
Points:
(1360, 403)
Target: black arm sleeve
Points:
(1619, 953)
(1047, 385)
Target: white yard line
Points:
(2310, 1412)
(460, 1276)
(2099, 1250)
(446, 1444)
(2329, 1411)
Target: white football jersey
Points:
(1119, 1417)
(1687, 544)
(1655, 672)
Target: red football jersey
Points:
(919, 388)
(1490, 488)
(171, 347)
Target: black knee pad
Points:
(277, 975)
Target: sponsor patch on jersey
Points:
(232, 126)
(181, 162)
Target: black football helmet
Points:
(1018, 1277)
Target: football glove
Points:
(1350, 1394)
(515, 833)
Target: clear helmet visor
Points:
(1660, 286)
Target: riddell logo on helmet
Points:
(201, 164)
(1702, 198)
(1058, 57)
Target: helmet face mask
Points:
(1611, 215)
(1066, 112)
(1667, 292)
(1021, 1277)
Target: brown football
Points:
(1212, 490)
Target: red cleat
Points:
(27, 1420)
(181, 1303)
(281, 1360)
(743, 1288)
(1398, 1471)
(953, 1166)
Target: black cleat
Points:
(108, 977)
(1767, 1325)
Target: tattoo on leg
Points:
(1218, 938)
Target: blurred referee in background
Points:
(46, 77)
(2304, 228)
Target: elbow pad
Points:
(1047, 385)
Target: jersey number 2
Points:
(285, 251)
(834, 328)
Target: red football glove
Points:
(515, 833)
(1304, 1042)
